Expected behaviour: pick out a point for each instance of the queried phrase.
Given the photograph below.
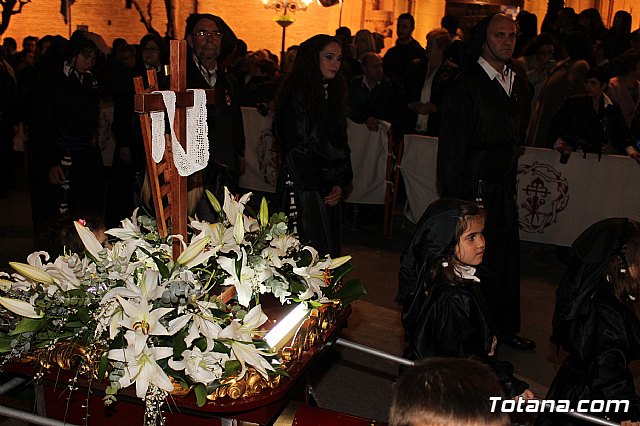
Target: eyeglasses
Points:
(211, 34)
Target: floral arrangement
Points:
(155, 323)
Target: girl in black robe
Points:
(444, 312)
(596, 320)
(310, 124)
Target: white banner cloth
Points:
(556, 202)
(369, 162)
(418, 167)
(260, 152)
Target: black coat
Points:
(482, 128)
(381, 102)
(578, 123)
(602, 344)
(442, 81)
(397, 59)
(224, 118)
(316, 157)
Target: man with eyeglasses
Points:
(210, 40)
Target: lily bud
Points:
(339, 261)
(20, 307)
(214, 201)
(192, 251)
(89, 240)
(32, 273)
(264, 213)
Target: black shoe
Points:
(519, 342)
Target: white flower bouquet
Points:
(157, 323)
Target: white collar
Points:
(466, 272)
(607, 100)
(367, 83)
(490, 70)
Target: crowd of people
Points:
(574, 86)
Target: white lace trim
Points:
(196, 156)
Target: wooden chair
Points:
(394, 171)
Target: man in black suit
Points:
(484, 121)
(210, 40)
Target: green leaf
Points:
(5, 344)
(179, 344)
(201, 394)
(296, 287)
(221, 348)
(340, 272)
(102, 369)
(162, 267)
(351, 291)
(83, 315)
(28, 324)
(231, 367)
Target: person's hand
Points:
(629, 423)
(334, 196)
(125, 154)
(526, 395)
(635, 155)
(422, 108)
(494, 345)
(56, 175)
(372, 124)
(561, 146)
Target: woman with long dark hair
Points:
(310, 124)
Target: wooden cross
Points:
(168, 188)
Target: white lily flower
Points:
(203, 367)
(247, 353)
(232, 207)
(129, 231)
(141, 367)
(32, 273)
(316, 275)
(89, 240)
(144, 322)
(247, 328)
(195, 254)
(243, 281)
(20, 307)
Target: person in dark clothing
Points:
(444, 313)
(372, 96)
(591, 122)
(310, 124)
(129, 162)
(407, 49)
(8, 118)
(451, 23)
(427, 82)
(210, 40)
(596, 320)
(65, 164)
(484, 119)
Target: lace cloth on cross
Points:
(196, 155)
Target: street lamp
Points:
(284, 10)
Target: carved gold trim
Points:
(252, 383)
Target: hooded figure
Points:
(444, 312)
(596, 321)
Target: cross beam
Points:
(174, 186)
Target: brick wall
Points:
(108, 18)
